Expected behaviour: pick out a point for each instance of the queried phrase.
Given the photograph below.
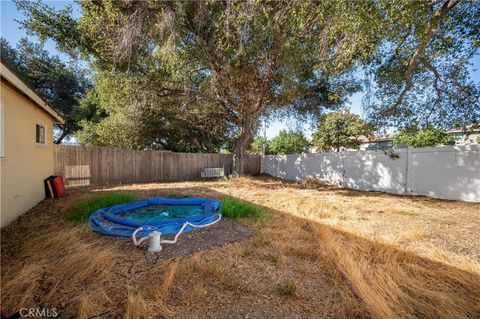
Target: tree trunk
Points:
(239, 159)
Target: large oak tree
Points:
(247, 58)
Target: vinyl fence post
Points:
(262, 157)
(277, 160)
(409, 171)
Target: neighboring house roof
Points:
(468, 129)
(377, 138)
(8, 74)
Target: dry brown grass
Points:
(395, 284)
(323, 253)
(446, 231)
(59, 267)
(19, 288)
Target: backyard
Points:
(315, 251)
(240, 159)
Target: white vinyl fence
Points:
(450, 172)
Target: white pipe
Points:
(154, 240)
(174, 240)
(134, 237)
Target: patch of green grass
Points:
(236, 208)
(287, 287)
(84, 208)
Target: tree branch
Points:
(432, 25)
(438, 78)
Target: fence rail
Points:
(106, 165)
(451, 172)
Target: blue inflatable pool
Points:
(166, 215)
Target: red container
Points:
(59, 186)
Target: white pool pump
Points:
(154, 242)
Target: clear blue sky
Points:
(10, 30)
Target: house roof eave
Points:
(10, 76)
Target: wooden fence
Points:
(82, 166)
(254, 165)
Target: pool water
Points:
(163, 212)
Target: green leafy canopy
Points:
(239, 61)
(340, 129)
(288, 142)
(431, 136)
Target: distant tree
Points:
(288, 142)
(258, 144)
(340, 129)
(431, 136)
(61, 85)
(136, 120)
(9, 55)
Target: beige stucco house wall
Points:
(24, 162)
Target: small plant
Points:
(391, 153)
(444, 222)
(235, 208)
(271, 256)
(248, 250)
(324, 215)
(227, 181)
(407, 213)
(287, 287)
(253, 245)
(84, 208)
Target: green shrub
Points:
(412, 136)
(235, 208)
(288, 142)
(84, 208)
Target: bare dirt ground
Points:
(321, 252)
